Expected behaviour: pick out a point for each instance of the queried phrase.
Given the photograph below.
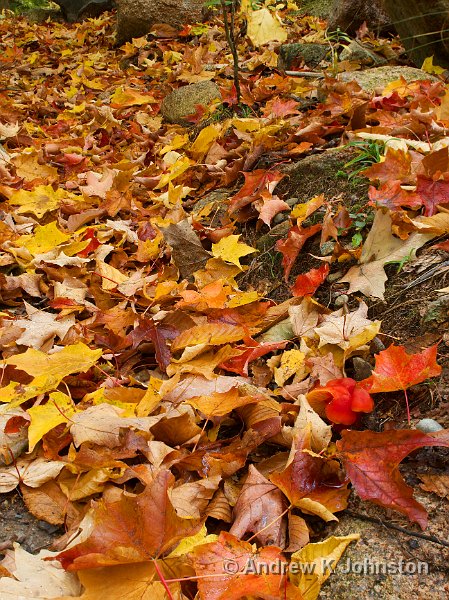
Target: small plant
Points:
(361, 219)
(369, 153)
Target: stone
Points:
(436, 314)
(377, 78)
(72, 10)
(362, 368)
(295, 56)
(428, 426)
(358, 53)
(317, 8)
(348, 15)
(135, 18)
(182, 102)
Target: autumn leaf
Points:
(292, 245)
(222, 571)
(113, 537)
(264, 27)
(307, 283)
(256, 182)
(372, 460)
(396, 370)
(395, 166)
(41, 200)
(231, 250)
(432, 193)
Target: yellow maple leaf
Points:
(264, 27)
(204, 141)
(324, 556)
(123, 97)
(41, 200)
(46, 417)
(28, 167)
(45, 238)
(231, 250)
(48, 370)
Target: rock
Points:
(317, 8)
(294, 56)
(182, 102)
(436, 314)
(136, 17)
(341, 300)
(72, 10)
(377, 78)
(348, 15)
(359, 53)
(428, 426)
(40, 15)
(317, 174)
(362, 368)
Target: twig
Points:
(422, 536)
(305, 74)
(230, 37)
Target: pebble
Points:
(428, 426)
(341, 300)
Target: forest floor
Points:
(227, 293)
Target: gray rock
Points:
(377, 78)
(317, 8)
(136, 17)
(182, 102)
(428, 426)
(348, 15)
(362, 368)
(294, 56)
(359, 53)
(72, 10)
(436, 314)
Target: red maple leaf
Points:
(291, 246)
(393, 196)
(307, 283)
(432, 193)
(372, 459)
(396, 166)
(396, 370)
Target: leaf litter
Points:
(177, 423)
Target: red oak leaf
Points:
(432, 193)
(307, 283)
(229, 569)
(372, 459)
(292, 245)
(342, 399)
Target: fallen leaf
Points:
(231, 250)
(372, 460)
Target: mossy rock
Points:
(378, 78)
(181, 103)
(294, 56)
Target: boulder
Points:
(377, 78)
(294, 56)
(317, 8)
(348, 15)
(361, 54)
(136, 17)
(72, 10)
(181, 103)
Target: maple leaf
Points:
(280, 108)
(41, 200)
(372, 460)
(432, 193)
(222, 570)
(307, 283)
(42, 326)
(393, 196)
(396, 370)
(292, 245)
(231, 250)
(395, 166)
(130, 529)
(255, 183)
(220, 404)
(264, 27)
(259, 504)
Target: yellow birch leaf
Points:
(231, 250)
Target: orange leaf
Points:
(372, 459)
(292, 245)
(396, 370)
(224, 573)
(131, 529)
(307, 283)
(213, 334)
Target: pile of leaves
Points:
(174, 423)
